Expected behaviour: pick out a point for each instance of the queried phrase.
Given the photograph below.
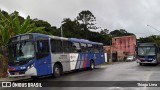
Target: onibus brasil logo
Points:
(15, 84)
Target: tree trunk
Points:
(3, 61)
(3, 50)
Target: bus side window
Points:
(56, 46)
(100, 47)
(76, 47)
(42, 48)
(84, 47)
(90, 47)
(53, 45)
(67, 46)
(95, 48)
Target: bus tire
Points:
(92, 65)
(35, 77)
(140, 64)
(156, 64)
(56, 70)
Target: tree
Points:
(104, 31)
(40, 23)
(71, 28)
(5, 29)
(87, 19)
(120, 32)
(10, 25)
(25, 27)
(51, 30)
(150, 39)
(123, 31)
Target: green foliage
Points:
(25, 27)
(48, 29)
(71, 28)
(120, 32)
(150, 39)
(5, 29)
(11, 25)
(87, 19)
(40, 23)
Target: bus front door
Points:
(43, 63)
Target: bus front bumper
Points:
(145, 62)
(28, 73)
(21, 75)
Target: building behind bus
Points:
(121, 47)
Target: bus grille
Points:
(17, 72)
(146, 60)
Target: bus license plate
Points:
(16, 73)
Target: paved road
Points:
(124, 71)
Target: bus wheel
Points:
(140, 64)
(56, 71)
(35, 77)
(156, 64)
(92, 66)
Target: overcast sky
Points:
(132, 15)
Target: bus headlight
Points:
(154, 59)
(30, 66)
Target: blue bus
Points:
(35, 55)
(147, 53)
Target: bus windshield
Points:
(146, 51)
(21, 51)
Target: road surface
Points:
(122, 71)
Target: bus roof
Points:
(63, 38)
(84, 41)
(35, 34)
(44, 35)
(146, 44)
(56, 37)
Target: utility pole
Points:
(62, 37)
(110, 60)
(61, 31)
